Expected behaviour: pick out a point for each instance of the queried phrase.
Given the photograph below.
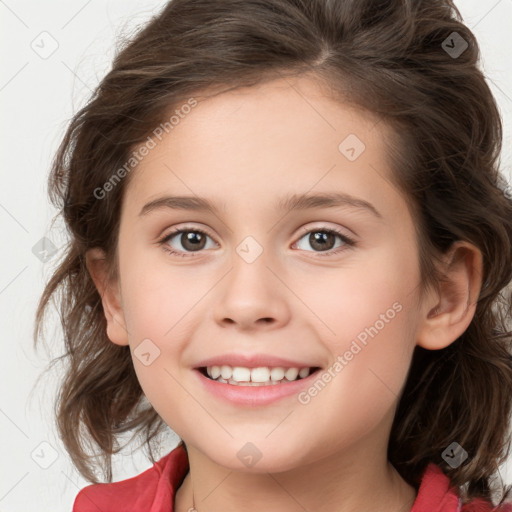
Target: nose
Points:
(252, 297)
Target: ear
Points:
(110, 296)
(448, 311)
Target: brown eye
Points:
(183, 241)
(192, 240)
(323, 240)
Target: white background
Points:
(38, 97)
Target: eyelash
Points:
(349, 242)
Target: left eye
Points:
(194, 240)
(323, 238)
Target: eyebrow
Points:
(293, 202)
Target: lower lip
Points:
(254, 396)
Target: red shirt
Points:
(154, 490)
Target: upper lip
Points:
(254, 361)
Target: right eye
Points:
(192, 240)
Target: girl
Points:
(291, 244)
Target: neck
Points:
(336, 483)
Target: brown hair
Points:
(389, 58)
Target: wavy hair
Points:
(393, 58)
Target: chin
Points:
(259, 456)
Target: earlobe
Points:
(448, 311)
(110, 296)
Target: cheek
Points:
(366, 289)
(161, 305)
(159, 297)
(158, 307)
(367, 321)
(371, 355)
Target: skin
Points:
(247, 149)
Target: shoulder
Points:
(480, 505)
(437, 495)
(151, 491)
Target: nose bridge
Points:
(250, 278)
(251, 292)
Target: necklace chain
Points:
(193, 500)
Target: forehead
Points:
(284, 135)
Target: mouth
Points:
(256, 377)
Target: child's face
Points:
(245, 151)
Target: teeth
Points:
(258, 375)
(277, 373)
(215, 372)
(303, 372)
(291, 373)
(226, 372)
(241, 374)
(263, 375)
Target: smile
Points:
(260, 376)
(254, 394)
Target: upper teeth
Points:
(261, 374)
